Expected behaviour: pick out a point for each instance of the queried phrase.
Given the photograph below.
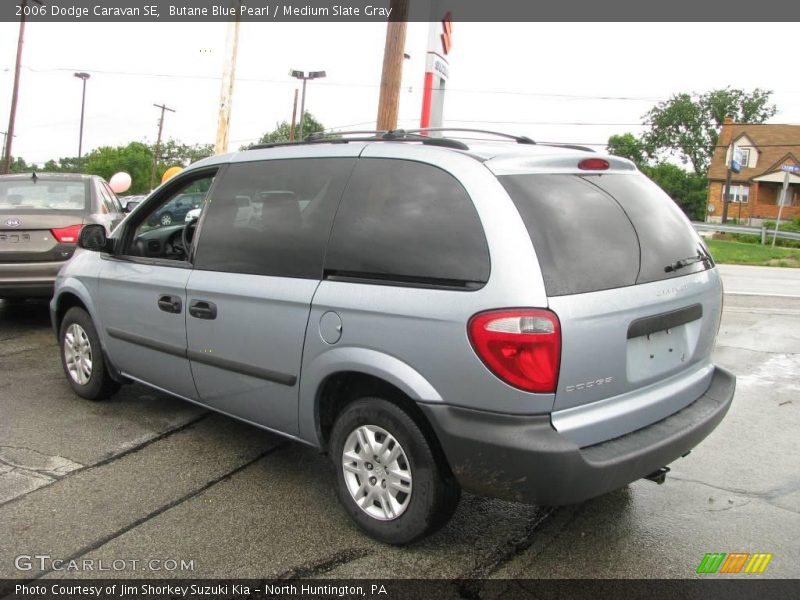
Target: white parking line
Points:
(727, 293)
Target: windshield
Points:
(28, 195)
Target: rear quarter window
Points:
(408, 222)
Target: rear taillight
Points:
(67, 235)
(522, 347)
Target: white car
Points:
(192, 215)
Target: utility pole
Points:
(294, 117)
(228, 76)
(84, 77)
(391, 77)
(12, 117)
(3, 151)
(158, 142)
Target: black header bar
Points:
(275, 11)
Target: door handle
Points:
(170, 304)
(202, 309)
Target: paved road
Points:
(146, 477)
(763, 281)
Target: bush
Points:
(793, 225)
(746, 238)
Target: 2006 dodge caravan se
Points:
(525, 321)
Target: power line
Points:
(647, 98)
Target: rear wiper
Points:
(685, 262)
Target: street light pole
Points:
(303, 109)
(83, 77)
(305, 78)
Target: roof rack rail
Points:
(331, 133)
(412, 136)
(520, 139)
(395, 135)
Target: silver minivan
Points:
(518, 320)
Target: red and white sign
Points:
(437, 71)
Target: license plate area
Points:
(12, 240)
(658, 352)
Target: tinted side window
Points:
(272, 217)
(583, 239)
(406, 221)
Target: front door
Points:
(258, 263)
(142, 296)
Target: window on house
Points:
(791, 197)
(739, 193)
(745, 156)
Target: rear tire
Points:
(82, 357)
(391, 481)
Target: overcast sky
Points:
(535, 79)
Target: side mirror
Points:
(93, 237)
(129, 206)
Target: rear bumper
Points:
(525, 459)
(19, 280)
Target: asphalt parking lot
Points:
(146, 477)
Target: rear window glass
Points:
(600, 232)
(665, 234)
(583, 239)
(45, 194)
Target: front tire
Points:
(165, 219)
(391, 481)
(82, 357)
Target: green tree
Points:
(18, 165)
(281, 131)
(135, 159)
(687, 125)
(66, 164)
(628, 146)
(175, 154)
(688, 190)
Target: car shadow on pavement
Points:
(24, 315)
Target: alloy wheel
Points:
(78, 354)
(377, 472)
